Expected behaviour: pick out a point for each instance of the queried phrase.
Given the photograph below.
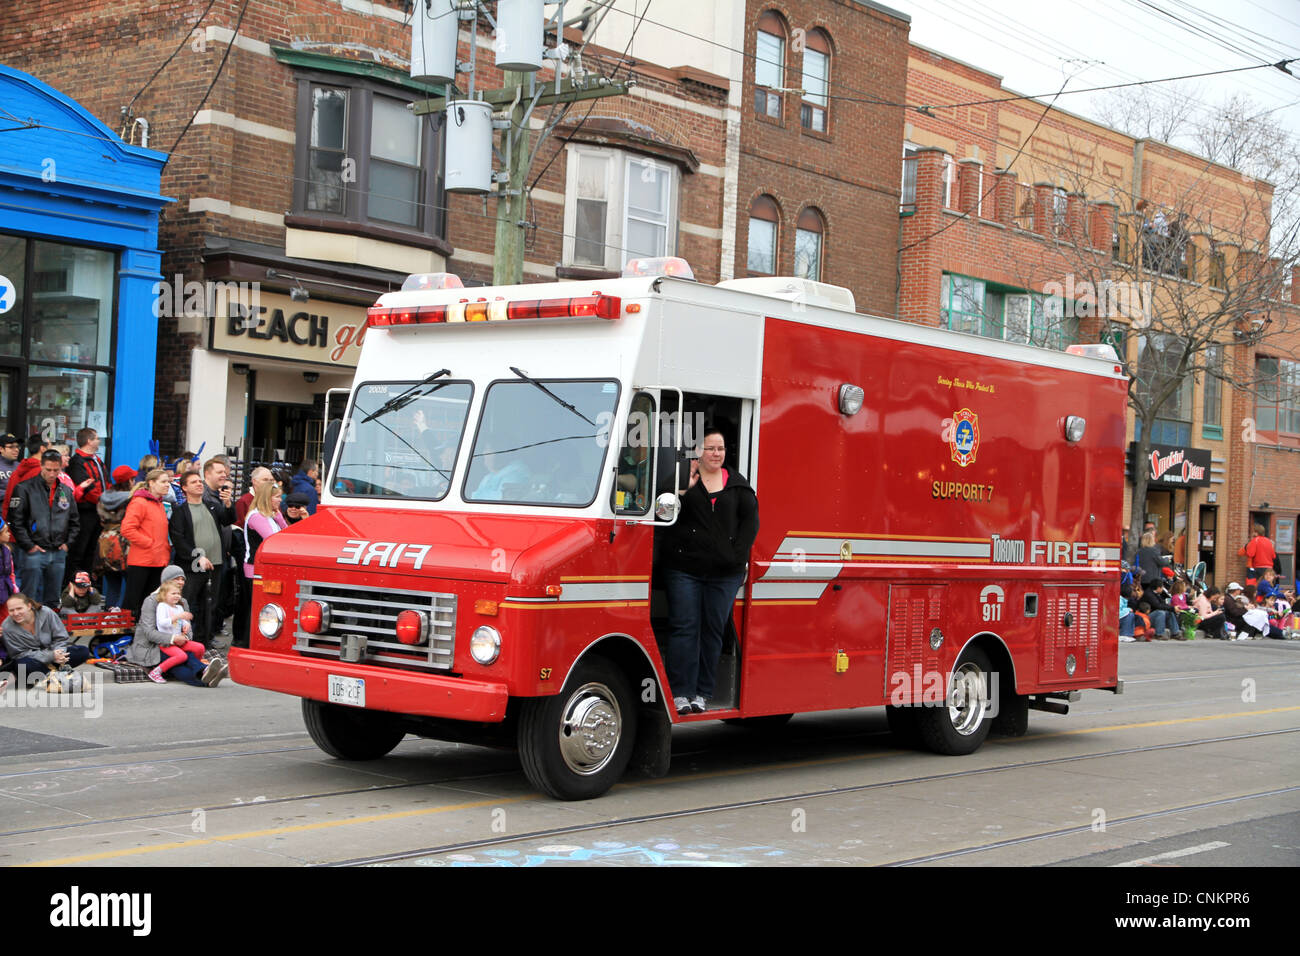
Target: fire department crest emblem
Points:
(965, 436)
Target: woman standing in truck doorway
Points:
(704, 557)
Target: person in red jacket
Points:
(1260, 553)
(145, 529)
(87, 472)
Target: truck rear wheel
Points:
(962, 722)
(350, 733)
(575, 745)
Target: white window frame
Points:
(618, 166)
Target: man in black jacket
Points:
(199, 545)
(43, 513)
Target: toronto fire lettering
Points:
(1012, 551)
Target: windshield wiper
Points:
(401, 401)
(562, 402)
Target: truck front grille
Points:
(372, 613)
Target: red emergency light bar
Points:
(587, 306)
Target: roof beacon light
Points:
(432, 280)
(594, 306)
(659, 266)
(1099, 350)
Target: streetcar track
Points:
(805, 795)
(1088, 828)
(787, 742)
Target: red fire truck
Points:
(940, 523)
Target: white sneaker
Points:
(215, 672)
(682, 704)
(698, 705)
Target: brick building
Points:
(819, 142)
(301, 173)
(1013, 216)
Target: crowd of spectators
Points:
(161, 542)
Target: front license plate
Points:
(347, 690)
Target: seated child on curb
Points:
(175, 621)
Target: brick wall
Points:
(850, 174)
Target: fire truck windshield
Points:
(400, 442)
(545, 449)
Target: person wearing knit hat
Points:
(150, 638)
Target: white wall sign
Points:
(8, 295)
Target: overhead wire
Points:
(643, 18)
(126, 110)
(221, 67)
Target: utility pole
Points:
(512, 204)
(521, 96)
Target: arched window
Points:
(808, 245)
(764, 214)
(769, 65)
(816, 81)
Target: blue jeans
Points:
(698, 608)
(114, 589)
(1164, 621)
(1126, 625)
(42, 575)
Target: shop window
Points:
(764, 214)
(1159, 358)
(808, 245)
(364, 157)
(618, 206)
(1000, 312)
(769, 65)
(816, 81)
(72, 303)
(1277, 399)
(58, 325)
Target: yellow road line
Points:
(277, 831)
(407, 814)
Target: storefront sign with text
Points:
(1176, 467)
(278, 327)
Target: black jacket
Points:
(41, 517)
(713, 540)
(180, 529)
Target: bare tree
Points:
(1187, 292)
(1163, 112)
(1235, 132)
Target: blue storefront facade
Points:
(79, 267)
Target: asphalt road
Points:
(1195, 765)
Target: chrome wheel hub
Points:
(968, 699)
(590, 729)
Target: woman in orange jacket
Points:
(145, 529)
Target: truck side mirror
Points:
(667, 470)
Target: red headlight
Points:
(412, 627)
(314, 618)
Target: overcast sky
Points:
(1028, 43)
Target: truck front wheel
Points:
(350, 733)
(961, 723)
(575, 745)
